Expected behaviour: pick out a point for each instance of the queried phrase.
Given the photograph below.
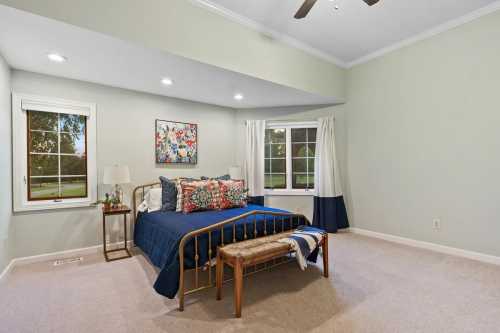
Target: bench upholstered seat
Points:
(252, 249)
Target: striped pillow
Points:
(178, 207)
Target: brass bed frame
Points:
(278, 220)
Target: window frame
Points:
(21, 103)
(289, 191)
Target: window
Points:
(275, 158)
(57, 162)
(289, 158)
(54, 149)
(303, 150)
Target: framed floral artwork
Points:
(176, 142)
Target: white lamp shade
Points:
(235, 172)
(117, 174)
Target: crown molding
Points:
(206, 4)
(493, 7)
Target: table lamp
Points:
(235, 172)
(116, 175)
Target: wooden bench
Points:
(253, 252)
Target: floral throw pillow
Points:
(200, 195)
(232, 193)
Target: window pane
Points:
(278, 150)
(311, 134)
(44, 188)
(44, 165)
(278, 166)
(299, 150)
(72, 144)
(275, 181)
(299, 134)
(267, 151)
(73, 165)
(312, 149)
(310, 165)
(311, 180)
(74, 187)
(299, 165)
(43, 142)
(277, 135)
(45, 121)
(299, 181)
(72, 123)
(267, 166)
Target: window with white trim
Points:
(289, 158)
(54, 149)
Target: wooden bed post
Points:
(324, 247)
(238, 286)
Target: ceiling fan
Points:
(308, 4)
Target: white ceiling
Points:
(26, 39)
(352, 32)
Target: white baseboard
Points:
(490, 259)
(58, 255)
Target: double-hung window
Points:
(289, 158)
(54, 153)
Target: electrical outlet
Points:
(436, 224)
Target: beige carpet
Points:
(375, 286)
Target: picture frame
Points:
(176, 142)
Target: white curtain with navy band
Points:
(254, 160)
(329, 207)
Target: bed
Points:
(177, 243)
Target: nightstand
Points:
(123, 210)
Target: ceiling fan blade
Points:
(304, 9)
(371, 2)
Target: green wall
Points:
(423, 139)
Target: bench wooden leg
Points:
(324, 247)
(238, 287)
(219, 276)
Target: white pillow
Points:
(152, 201)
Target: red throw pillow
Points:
(200, 195)
(232, 193)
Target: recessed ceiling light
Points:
(336, 7)
(167, 81)
(238, 97)
(56, 57)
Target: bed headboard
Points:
(138, 196)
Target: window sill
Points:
(51, 205)
(304, 193)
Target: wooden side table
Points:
(123, 210)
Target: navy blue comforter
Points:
(158, 234)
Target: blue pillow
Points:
(168, 194)
(224, 177)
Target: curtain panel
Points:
(329, 208)
(254, 160)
